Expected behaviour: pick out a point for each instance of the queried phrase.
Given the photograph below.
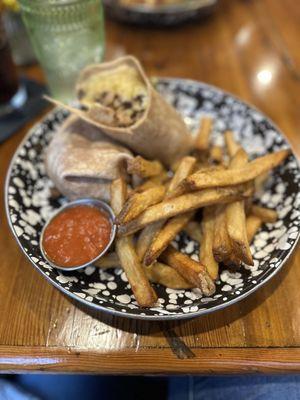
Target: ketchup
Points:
(76, 236)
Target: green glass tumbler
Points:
(66, 36)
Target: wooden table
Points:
(250, 48)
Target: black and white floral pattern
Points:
(29, 205)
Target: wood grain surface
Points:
(249, 48)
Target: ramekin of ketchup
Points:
(78, 234)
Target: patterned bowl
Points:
(29, 205)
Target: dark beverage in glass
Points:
(8, 75)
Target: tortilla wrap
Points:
(82, 161)
(160, 133)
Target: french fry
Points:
(175, 164)
(152, 182)
(239, 160)
(146, 236)
(231, 145)
(142, 290)
(260, 181)
(139, 202)
(144, 168)
(180, 189)
(190, 270)
(148, 184)
(221, 244)
(236, 217)
(206, 248)
(183, 170)
(182, 204)
(248, 205)
(193, 229)
(236, 225)
(157, 272)
(202, 163)
(110, 260)
(118, 194)
(164, 237)
(160, 179)
(167, 276)
(203, 135)
(208, 179)
(216, 154)
(265, 214)
(232, 261)
(254, 223)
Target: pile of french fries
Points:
(156, 205)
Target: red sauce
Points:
(76, 236)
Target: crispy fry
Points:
(180, 189)
(216, 154)
(164, 237)
(182, 204)
(232, 261)
(203, 135)
(236, 217)
(193, 229)
(265, 214)
(248, 205)
(160, 179)
(144, 168)
(156, 273)
(152, 182)
(189, 269)
(146, 236)
(202, 163)
(260, 181)
(118, 194)
(139, 202)
(148, 184)
(167, 276)
(183, 170)
(236, 225)
(143, 292)
(221, 245)
(231, 145)
(110, 260)
(207, 179)
(175, 164)
(206, 248)
(253, 225)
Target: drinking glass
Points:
(12, 94)
(66, 36)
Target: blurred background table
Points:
(250, 48)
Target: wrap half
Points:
(118, 97)
(82, 161)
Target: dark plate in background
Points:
(168, 15)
